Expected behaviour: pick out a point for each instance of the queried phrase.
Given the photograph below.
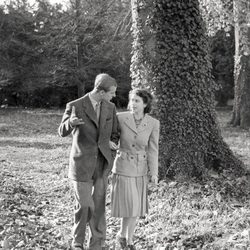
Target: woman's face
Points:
(136, 104)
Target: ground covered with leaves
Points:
(36, 202)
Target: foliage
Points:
(218, 15)
(221, 16)
(55, 33)
(180, 73)
(222, 54)
(19, 55)
(25, 60)
(49, 63)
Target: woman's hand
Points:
(112, 145)
(154, 179)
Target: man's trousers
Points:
(90, 200)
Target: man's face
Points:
(110, 94)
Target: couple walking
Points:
(96, 130)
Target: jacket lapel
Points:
(89, 110)
(130, 122)
(143, 125)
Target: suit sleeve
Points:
(65, 128)
(153, 149)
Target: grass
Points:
(36, 201)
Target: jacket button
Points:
(133, 145)
(132, 157)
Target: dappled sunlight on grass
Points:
(198, 216)
(36, 201)
(237, 138)
(19, 122)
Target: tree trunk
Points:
(79, 48)
(170, 56)
(241, 109)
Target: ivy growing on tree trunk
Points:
(170, 57)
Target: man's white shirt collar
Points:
(93, 101)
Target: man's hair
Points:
(104, 82)
(146, 96)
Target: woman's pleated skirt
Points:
(129, 196)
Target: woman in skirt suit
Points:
(136, 158)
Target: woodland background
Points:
(47, 50)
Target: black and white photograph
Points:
(124, 125)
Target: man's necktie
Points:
(97, 111)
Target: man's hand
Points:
(113, 146)
(154, 179)
(74, 120)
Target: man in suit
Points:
(92, 122)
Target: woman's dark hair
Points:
(146, 96)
